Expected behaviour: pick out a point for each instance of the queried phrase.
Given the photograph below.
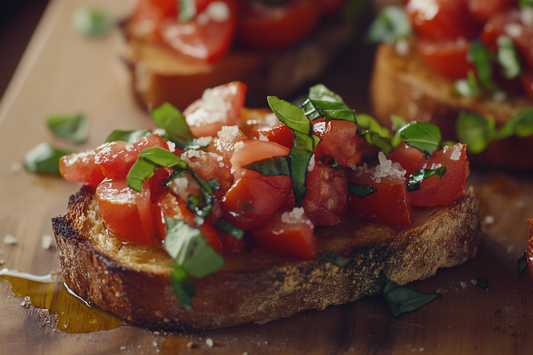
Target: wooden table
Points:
(62, 73)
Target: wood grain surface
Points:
(62, 73)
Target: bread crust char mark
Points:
(133, 281)
(406, 86)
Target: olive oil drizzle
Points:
(74, 315)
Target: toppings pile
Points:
(204, 187)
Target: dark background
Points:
(18, 20)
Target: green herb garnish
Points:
(402, 299)
(226, 227)
(482, 282)
(468, 87)
(508, 57)
(91, 23)
(172, 121)
(186, 10)
(274, 166)
(418, 176)
(74, 129)
(482, 59)
(422, 136)
(183, 285)
(334, 259)
(360, 190)
(127, 136)
(44, 159)
(390, 25)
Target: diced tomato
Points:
(157, 184)
(339, 139)
(218, 107)
(126, 213)
(326, 195)
(442, 19)
(389, 204)
(253, 198)
(81, 168)
(448, 58)
(224, 143)
(175, 207)
(211, 236)
(255, 150)
(484, 10)
(231, 244)
(117, 158)
(274, 27)
(209, 165)
(411, 159)
(279, 133)
(288, 233)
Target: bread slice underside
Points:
(405, 85)
(133, 281)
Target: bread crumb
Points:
(10, 240)
(209, 342)
(474, 282)
(122, 348)
(489, 219)
(46, 241)
(463, 284)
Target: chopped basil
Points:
(373, 133)
(334, 259)
(520, 125)
(291, 115)
(526, 3)
(522, 263)
(402, 299)
(508, 57)
(360, 190)
(390, 25)
(127, 136)
(141, 171)
(323, 102)
(482, 282)
(482, 59)
(188, 247)
(422, 136)
(331, 162)
(226, 227)
(187, 10)
(468, 87)
(172, 121)
(74, 129)
(44, 159)
(91, 22)
(271, 166)
(183, 285)
(213, 184)
(418, 176)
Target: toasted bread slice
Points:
(404, 85)
(158, 76)
(133, 281)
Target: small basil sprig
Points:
(418, 176)
(482, 59)
(526, 3)
(360, 190)
(74, 129)
(172, 121)
(44, 159)
(402, 299)
(228, 228)
(324, 103)
(468, 87)
(390, 25)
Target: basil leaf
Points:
(397, 122)
(418, 176)
(188, 247)
(360, 190)
(482, 59)
(390, 25)
(520, 124)
(321, 92)
(300, 155)
(331, 162)
(172, 121)
(526, 3)
(226, 227)
(369, 123)
(402, 299)
(74, 129)
(333, 258)
(468, 87)
(522, 263)
(140, 171)
(483, 282)
(475, 131)
(291, 115)
(323, 102)
(163, 158)
(187, 10)
(271, 166)
(93, 23)
(422, 136)
(127, 136)
(44, 159)
(213, 184)
(183, 285)
(508, 57)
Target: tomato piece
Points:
(389, 204)
(218, 107)
(224, 143)
(116, 158)
(231, 244)
(209, 165)
(81, 168)
(411, 159)
(442, 19)
(175, 207)
(484, 10)
(274, 27)
(211, 236)
(126, 213)
(448, 58)
(326, 196)
(279, 133)
(252, 151)
(288, 233)
(435, 191)
(253, 198)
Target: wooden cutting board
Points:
(62, 73)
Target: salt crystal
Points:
(463, 284)
(271, 119)
(526, 15)
(10, 240)
(489, 219)
(513, 29)
(209, 342)
(294, 216)
(228, 132)
(473, 281)
(218, 11)
(311, 164)
(202, 141)
(456, 153)
(171, 146)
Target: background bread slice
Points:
(133, 281)
(404, 85)
(157, 76)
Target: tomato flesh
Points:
(81, 168)
(448, 58)
(255, 150)
(288, 233)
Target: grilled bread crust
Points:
(133, 281)
(405, 85)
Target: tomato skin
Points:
(209, 165)
(81, 168)
(199, 114)
(484, 10)
(211, 236)
(295, 239)
(267, 27)
(411, 159)
(279, 133)
(442, 19)
(231, 244)
(255, 150)
(253, 198)
(326, 196)
(448, 58)
(126, 213)
(388, 205)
